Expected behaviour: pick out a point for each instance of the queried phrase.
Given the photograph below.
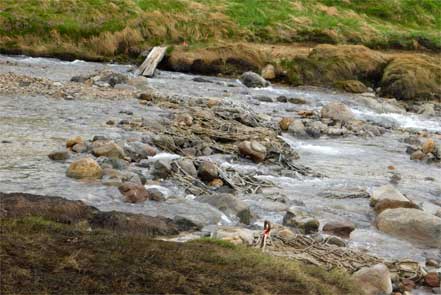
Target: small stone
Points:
(297, 129)
(217, 182)
(432, 279)
(251, 79)
(432, 263)
(110, 122)
(296, 100)
(341, 229)
(285, 122)
(337, 111)
(162, 169)
(417, 155)
(208, 171)
(188, 166)
(212, 103)
(73, 141)
(155, 194)
(269, 72)
(84, 168)
(133, 193)
(263, 98)
(335, 241)
(428, 146)
(282, 99)
(184, 120)
(80, 148)
(255, 150)
(110, 150)
(59, 155)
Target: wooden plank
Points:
(149, 65)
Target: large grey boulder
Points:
(374, 280)
(337, 111)
(411, 224)
(253, 80)
(388, 197)
(230, 205)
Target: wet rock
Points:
(253, 149)
(138, 151)
(208, 171)
(133, 193)
(285, 122)
(216, 183)
(113, 163)
(269, 72)
(84, 168)
(299, 219)
(59, 155)
(353, 86)
(201, 80)
(427, 109)
(253, 80)
(282, 99)
(374, 280)
(335, 241)
(155, 194)
(146, 97)
(80, 148)
(73, 141)
(411, 224)
(296, 100)
(109, 78)
(388, 197)
(110, 150)
(188, 166)
(428, 146)
(410, 149)
(263, 98)
(315, 128)
(341, 229)
(297, 129)
(162, 169)
(432, 263)
(417, 155)
(185, 224)
(230, 205)
(337, 111)
(432, 279)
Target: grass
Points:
(96, 29)
(41, 257)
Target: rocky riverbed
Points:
(214, 154)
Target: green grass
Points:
(75, 23)
(43, 257)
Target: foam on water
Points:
(402, 120)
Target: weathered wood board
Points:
(148, 67)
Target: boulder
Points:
(235, 235)
(388, 197)
(73, 141)
(301, 220)
(208, 171)
(138, 151)
(337, 111)
(110, 150)
(418, 155)
(353, 86)
(162, 169)
(374, 280)
(341, 229)
(81, 147)
(412, 77)
(253, 80)
(188, 166)
(230, 205)
(411, 224)
(59, 155)
(84, 168)
(297, 100)
(297, 129)
(269, 72)
(136, 193)
(253, 149)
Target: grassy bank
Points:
(98, 29)
(40, 256)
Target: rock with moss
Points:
(412, 77)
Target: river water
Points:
(33, 126)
